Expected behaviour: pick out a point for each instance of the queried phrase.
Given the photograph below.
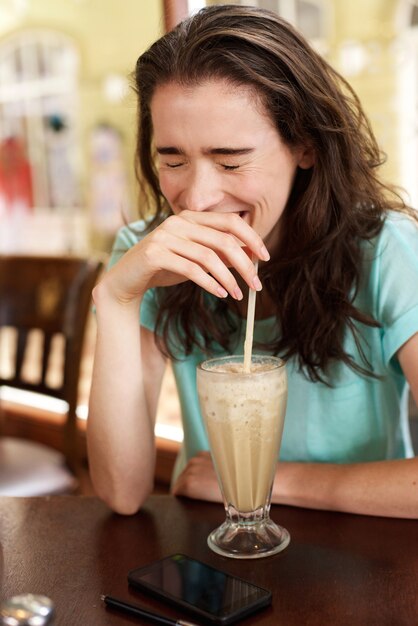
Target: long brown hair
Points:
(340, 201)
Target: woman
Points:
(261, 150)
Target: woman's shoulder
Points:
(399, 225)
(390, 258)
(399, 233)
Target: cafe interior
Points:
(67, 137)
(67, 184)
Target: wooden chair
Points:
(51, 298)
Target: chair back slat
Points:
(20, 351)
(46, 352)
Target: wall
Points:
(363, 41)
(109, 36)
(366, 33)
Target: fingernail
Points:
(257, 284)
(238, 293)
(221, 292)
(264, 253)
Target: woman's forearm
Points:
(385, 488)
(120, 430)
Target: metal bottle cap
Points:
(26, 610)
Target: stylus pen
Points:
(137, 611)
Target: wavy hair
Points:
(314, 275)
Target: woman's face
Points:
(219, 151)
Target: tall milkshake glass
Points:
(244, 415)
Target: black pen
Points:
(137, 611)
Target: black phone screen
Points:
(208, 592)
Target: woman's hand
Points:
(199, 246)
(198, 480)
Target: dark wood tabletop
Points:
(338, 568)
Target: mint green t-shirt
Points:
(359, 418)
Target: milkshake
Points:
(244, 416)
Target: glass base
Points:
(243, 540)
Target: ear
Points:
(306, 157)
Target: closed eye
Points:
(230, 168)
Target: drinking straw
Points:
(249, 330)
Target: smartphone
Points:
(208, 593)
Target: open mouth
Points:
(245, 215)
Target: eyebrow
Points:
(167, 150)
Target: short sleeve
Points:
(397, 283)
(126, 238)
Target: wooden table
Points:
(338, 569)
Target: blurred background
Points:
(67, 114)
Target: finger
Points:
(230, 223)
(198, 488)
(175, 264)
(229, 251)
(211, 262)
(196, 262)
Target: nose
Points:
(202, 190)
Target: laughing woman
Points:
(250, 144)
